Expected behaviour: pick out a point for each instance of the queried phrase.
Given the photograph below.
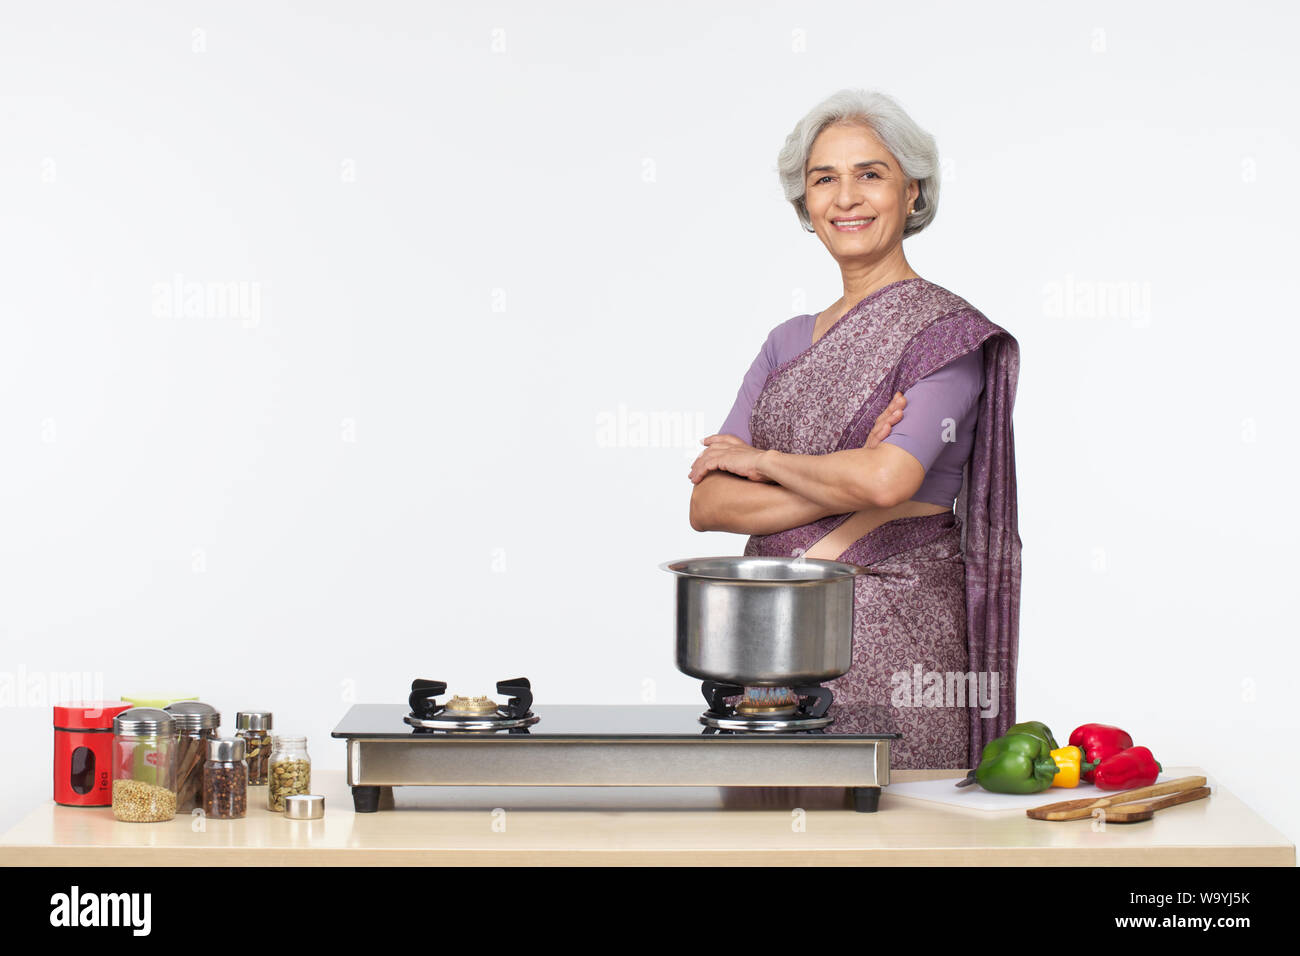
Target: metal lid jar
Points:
(196, 724)
(144, 782)
(254, 726)
(225, 779)
(289, 772)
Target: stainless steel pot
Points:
(764, 621)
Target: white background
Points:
(477, 232)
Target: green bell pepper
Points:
(1016, 763)
(1035, 728)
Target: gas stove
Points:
(766, 709)
(763, 737)
(471, 713)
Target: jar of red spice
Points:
(225, 779)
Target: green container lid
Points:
(156, 702)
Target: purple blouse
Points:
(951, 392)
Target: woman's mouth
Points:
(852, 225)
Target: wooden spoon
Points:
(1143, 809)
(1082, 809)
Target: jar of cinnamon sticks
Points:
(196, 724)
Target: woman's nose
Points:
(849, 196)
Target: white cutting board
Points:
(976, 797)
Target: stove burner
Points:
(768, 702)
(470, 706)
(770, 709)
(471, 713)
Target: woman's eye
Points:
(869, 172)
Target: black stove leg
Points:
(365, 799)
(866, 799)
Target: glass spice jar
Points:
(289, 772)
(254, 726)
(196, 724)
(144, 780)
(225, 779)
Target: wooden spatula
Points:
(1143, 809)
(1082, 809)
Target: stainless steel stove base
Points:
(594, 745)
(758, 760)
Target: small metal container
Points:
(304, 806)
(764, 621)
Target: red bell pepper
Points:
(1134, 767)
(1099, 741)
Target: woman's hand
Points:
(891, 416)
(727, 453)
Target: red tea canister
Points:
(83, 752)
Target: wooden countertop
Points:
(611, 825)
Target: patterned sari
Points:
(943, 593)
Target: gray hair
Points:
(912, 146)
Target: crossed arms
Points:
(744, 490)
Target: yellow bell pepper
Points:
(1070, 765)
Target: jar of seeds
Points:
(196, 724)
(289, 772)
(225, 779)
(144, 772)
(254, 726)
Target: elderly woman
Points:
(858, 429)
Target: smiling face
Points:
(852, 177)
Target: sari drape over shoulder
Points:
(943, 593)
